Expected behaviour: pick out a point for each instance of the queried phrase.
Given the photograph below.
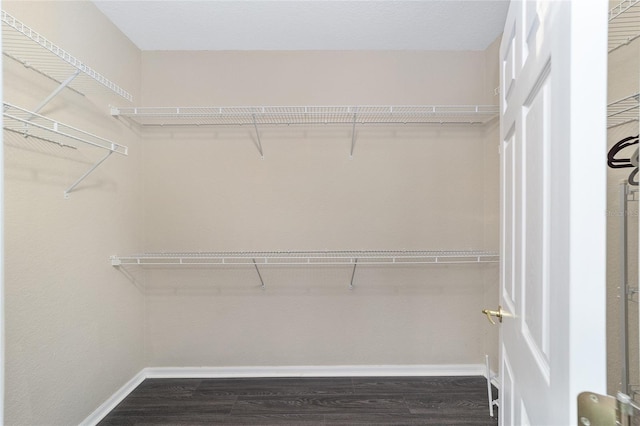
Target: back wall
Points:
(407, 187)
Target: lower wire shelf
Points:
(282, 258)
(258, 259)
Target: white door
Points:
(553, 148)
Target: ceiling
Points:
(308, 24)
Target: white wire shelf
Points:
(624, 24)
(292, 115)
(33, 50)
(31, 125)
(623, 111)
(284, 258)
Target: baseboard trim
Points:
(115, 399)
(316, 371)
(279, 371)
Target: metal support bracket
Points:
(87, 173)
(605, 410)
(259, 275)
(255, 126)
(353, 274)
(353, 134)
(56, 91)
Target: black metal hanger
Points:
(620, 163)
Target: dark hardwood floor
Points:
(306, 401)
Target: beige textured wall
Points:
(407, 187)
(73, 323)
(492, 201)
(624, 80)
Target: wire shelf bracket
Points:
(30, 124)
(353, 273)
(259, 143)
(309, 115)
(33, 50)
(623, 111)
(624, 24)
(353, 134)
(57, 90)
(259, 274)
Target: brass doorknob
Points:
(490, 314)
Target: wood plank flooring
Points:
(306, 401)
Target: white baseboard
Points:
(114, 400)
(279, 371)
(316, 371)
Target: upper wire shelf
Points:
(33, 50)
(283, 258)
(290, 115)
(624, 24)
(623, 111)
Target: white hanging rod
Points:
(18, 42)
(291, 115)
(284, 258)
(624, 24)
(623, 111)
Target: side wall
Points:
(74, 324)
(407, 187)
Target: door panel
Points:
(547, 195)
(535, 306)
(508, 292)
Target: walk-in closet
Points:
(246, 211)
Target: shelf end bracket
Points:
(87, 173)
